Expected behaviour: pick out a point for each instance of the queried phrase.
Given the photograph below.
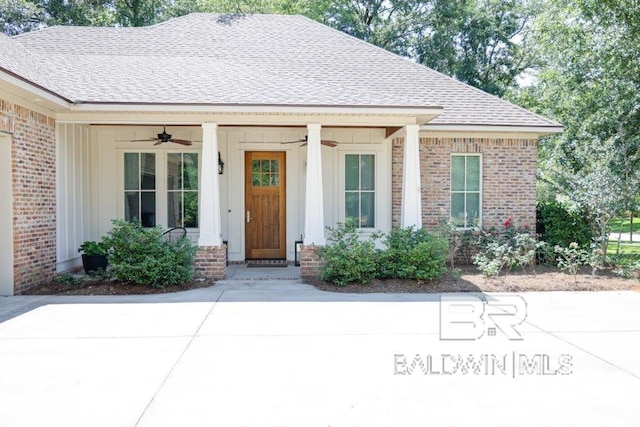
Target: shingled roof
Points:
(211, 59)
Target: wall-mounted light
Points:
(220, 164)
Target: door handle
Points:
(248, 216)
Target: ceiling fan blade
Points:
(294, 142)
(158, 143)
(181, 141)
(144, 140)
(323, 142)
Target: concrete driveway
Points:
(285, 354)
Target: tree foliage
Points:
(480, 42)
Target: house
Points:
(284, 126)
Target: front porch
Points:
(93, 187)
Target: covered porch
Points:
(313, 185)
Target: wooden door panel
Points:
(265, 205)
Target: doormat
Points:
(267, 263)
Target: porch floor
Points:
(243, 272)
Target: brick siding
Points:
(310, 263)
(508, 178)
(33, 165)
(211, 262)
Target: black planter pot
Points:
(93, 263)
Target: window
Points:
(182, 190)
(465, 190)
(140, 188)
(359, 198)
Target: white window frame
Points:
(377, 191)
(480, 188)
(161, 181)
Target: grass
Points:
(625, 248)
(614, 225)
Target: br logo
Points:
(470, 317)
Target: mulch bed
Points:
(468, 279)
(111, 287)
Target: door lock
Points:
(248, 216)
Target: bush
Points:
(346, 258)
(560, 226)
(501, 250)
(412, 254)
(409, 254)
(140, 255)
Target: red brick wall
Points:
(33, 152)
(211, 262)
(310, 263)
(508, 178)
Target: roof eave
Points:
(539, 130)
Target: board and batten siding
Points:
(111, 141)
(76, 195)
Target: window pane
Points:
(351, 172)
(367, 210)
(275, 166)
(255, 165)
(148, 171)
(473, 173)
(457, 209)
(190, 171)
(367, 166)
(174, 175)
(174, 209)
(148, 208)
(473, 209)
(131, 205)
(265, 180)
(457, 173)
(131, 171)
(352, 208)
(190, 209)
(255, 179)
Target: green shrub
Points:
(560, 226)
(346, 258)
(68, 279)
(501, 250)
(412, 254)
(140, 255)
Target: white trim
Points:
(6, 217)
(480, 189)
(538, 130)
(296, 118)
(26, 85)
(266, 108)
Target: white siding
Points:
(75, 182)
(233, 142)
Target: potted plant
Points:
(94, 256)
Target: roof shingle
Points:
(243, 59)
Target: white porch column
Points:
(314, 200)
(210, 229)
(411, 190)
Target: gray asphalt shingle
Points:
(247, 60)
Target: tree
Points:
(481, 42)
(590, 82)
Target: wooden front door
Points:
(265, 183)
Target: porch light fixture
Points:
(220, 165)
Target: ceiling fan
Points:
(165, 137)
(305, 141)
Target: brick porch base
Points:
(211, 262)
